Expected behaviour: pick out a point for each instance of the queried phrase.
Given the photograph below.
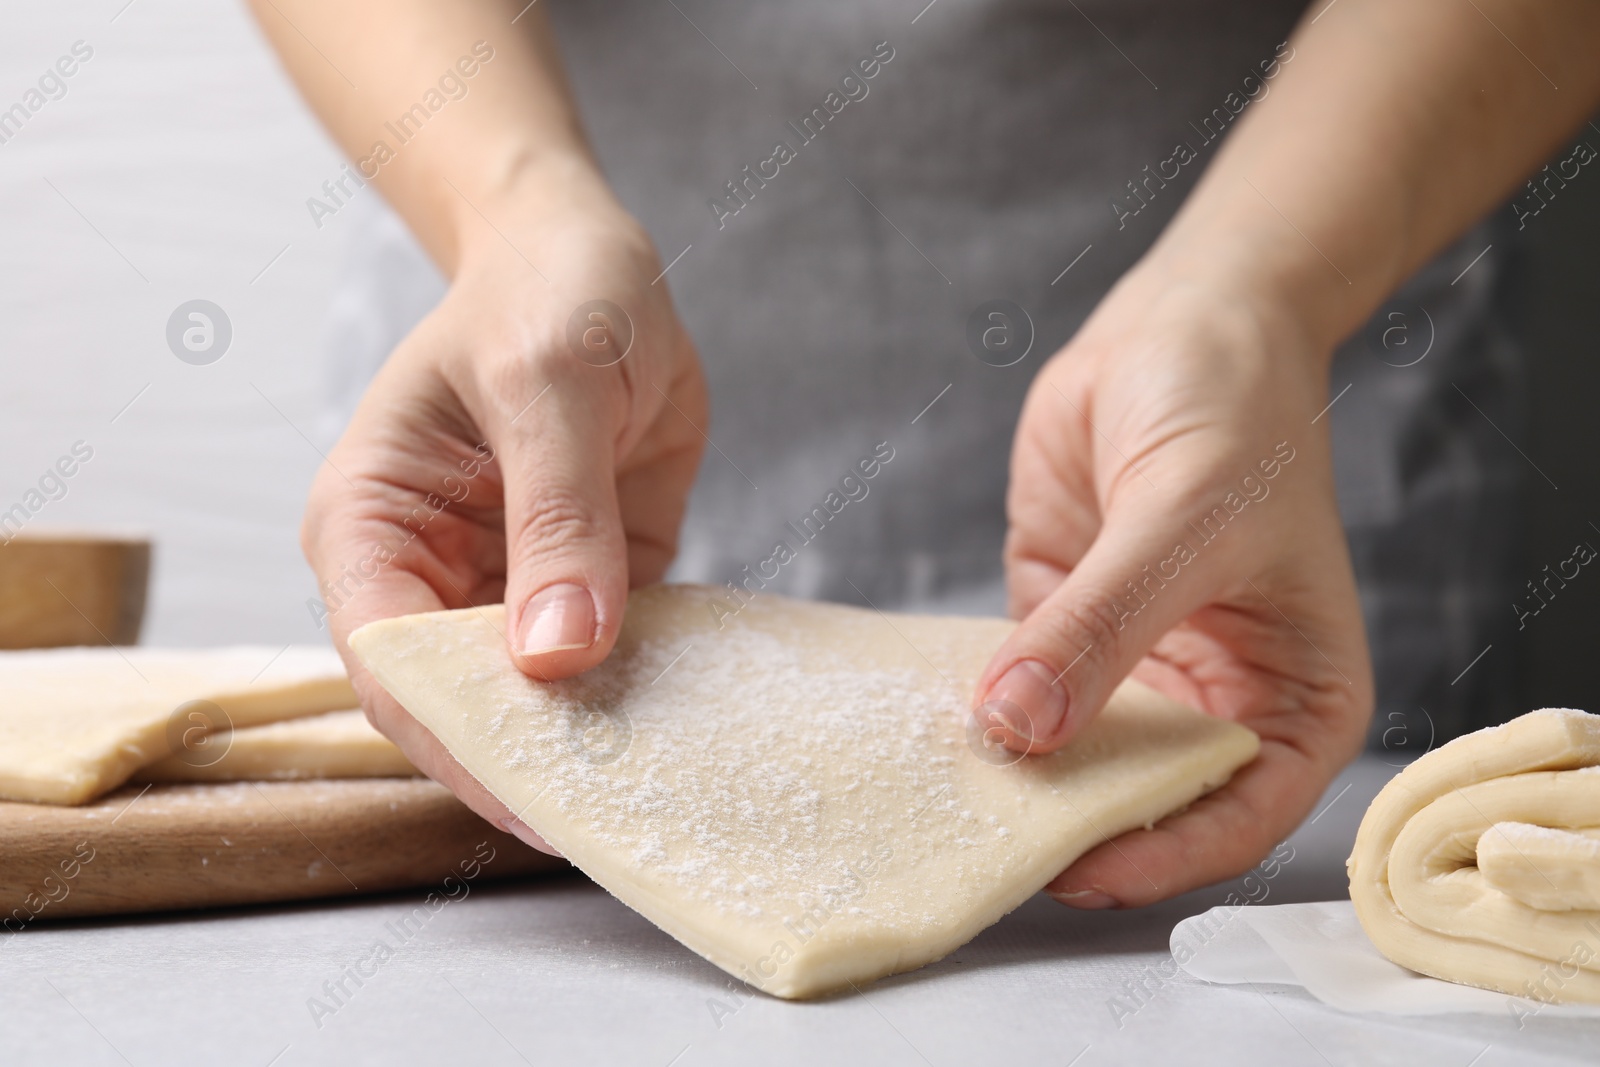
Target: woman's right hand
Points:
(533, 440)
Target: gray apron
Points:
(849, 191)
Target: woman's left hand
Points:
(1172, 515)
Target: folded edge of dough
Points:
(1553, 739)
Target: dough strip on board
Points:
(335, 744)
(75, 723)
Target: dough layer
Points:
(1480, 862)
(337, 744)
(75, 723)
(793, 791)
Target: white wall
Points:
(183, 144)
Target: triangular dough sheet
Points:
(77, 722)
(336, 744)
(795, 795)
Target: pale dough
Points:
(1479, 863)
(796, 796)
(77, 722)
(1552, 870)
(337, 744)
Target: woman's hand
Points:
(526, 442)
(1172, 514)
(1207, 361)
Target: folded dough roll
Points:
(1480, 862)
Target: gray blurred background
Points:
(1554, 296)
(177, 166)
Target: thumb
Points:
(566, 552)
(1051, 677)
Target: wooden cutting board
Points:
(163, 847)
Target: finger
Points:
(567, 554)
(1142, 575)
(434, 760)
(394, 590)
(1218, 836)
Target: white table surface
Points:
(556, 971)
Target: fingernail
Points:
(1031, 687)
(558, 618)
(1086, 900)
(522, 832)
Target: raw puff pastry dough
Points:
(77, 722)
(338, 744)
(1479, 862)
(796, 796)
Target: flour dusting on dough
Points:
(713, 784)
